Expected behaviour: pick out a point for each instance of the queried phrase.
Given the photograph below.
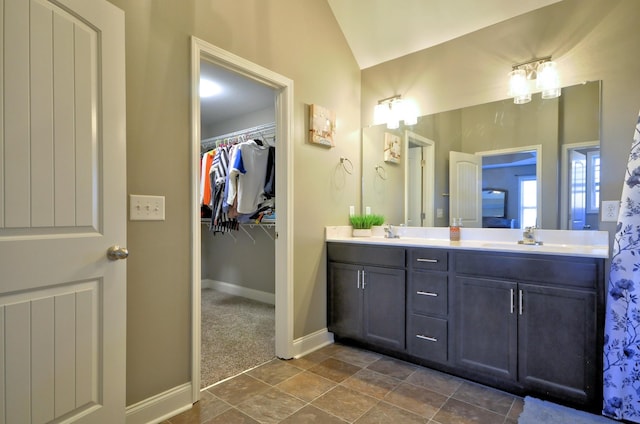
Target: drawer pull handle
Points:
(431, 261)
(431, 339)
(423, 293)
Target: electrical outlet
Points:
(439, 213)
(352, 210)
(146, 208)
(367, 210)
(609, 210)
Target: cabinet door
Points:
(557, 342)
(486, 327)
(344, 305)
(384, 307)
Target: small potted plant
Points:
(362, 224)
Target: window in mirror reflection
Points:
(528, 199)
(593, 178)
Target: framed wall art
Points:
(392, 148)
(322, 126)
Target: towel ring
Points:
(344, 161)
(382, 173)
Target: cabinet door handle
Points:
(424, 293)
(358, 284)
(431, 261)
(431, 339)
(363, 282)
(520, 301)
(511, 298)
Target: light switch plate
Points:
(609, 210)
(146, 208)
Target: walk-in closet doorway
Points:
(272, 236)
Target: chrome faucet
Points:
(529, 236)
(390, 232)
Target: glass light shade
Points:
(548, 80)
(396, 114)
(381, 113)
(410, 113)
(519, 86)
(520, 100)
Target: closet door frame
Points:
(283, 88)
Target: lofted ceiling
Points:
(381, 30)
(376, 31)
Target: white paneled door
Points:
(465, 191)
(62, 205)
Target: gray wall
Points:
(297, 39)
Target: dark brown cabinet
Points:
(526, 323)
(428, 304)
(367, 303)
(541, 336)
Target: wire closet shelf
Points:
(265, 132)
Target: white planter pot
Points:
(361, 232)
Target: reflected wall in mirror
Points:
(554, 125)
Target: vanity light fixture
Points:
(545, 74)
(394, 109)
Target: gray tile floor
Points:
(341, 384)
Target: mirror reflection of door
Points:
(580, 194)
(419, 180)
(465, 197)
(414, 187)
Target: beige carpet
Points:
(237, 334)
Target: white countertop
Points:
(593, 244)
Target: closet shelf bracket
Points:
(248, 235)
(264, 228)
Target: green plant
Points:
(360, 222)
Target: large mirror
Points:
(544, 156)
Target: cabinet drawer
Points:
(427, 338)
(430, 259)
(562, 270)
(366, 255)
(428, 293)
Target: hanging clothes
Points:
(220, 221)
(205, 165)
(247, 176)
(621, 356)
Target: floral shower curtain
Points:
(622, 322)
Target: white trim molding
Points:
(311, 342)
(160, 407)
(283, 87)
(237, 290)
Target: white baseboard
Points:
(160, 407)
(237, 290)
(310, 342)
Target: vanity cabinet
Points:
(428, 304)
(366, 303)
(530, 324)
(531, 321)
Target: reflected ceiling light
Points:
(209, 88)
(394, 109)
(543, 71)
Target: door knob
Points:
(116, 252)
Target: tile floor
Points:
(341, 384)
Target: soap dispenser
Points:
(454, 230)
